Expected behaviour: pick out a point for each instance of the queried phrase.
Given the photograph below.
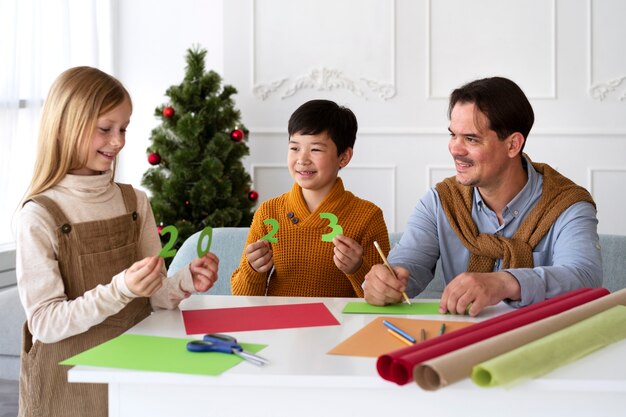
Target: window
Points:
(40, 39)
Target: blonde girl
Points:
(86, 262)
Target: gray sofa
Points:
(228, 244)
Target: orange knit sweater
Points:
(303, 263)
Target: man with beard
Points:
(505, 228)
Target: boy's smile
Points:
(313, 163)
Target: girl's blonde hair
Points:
(76, 99)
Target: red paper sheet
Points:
(238, 319)
(398, 366)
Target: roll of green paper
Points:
(548, 353)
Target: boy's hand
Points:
(204, 271)
(381, 287)
(145, 277)
(259, 255)
(348, 254)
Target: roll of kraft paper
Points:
(395, 366)
(548, 353)
(398, 366)
(457, 365)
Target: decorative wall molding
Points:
(599, 90)
(592, 173)
(262, 91)
(436, 173)
(551, 94)
(604, 186)
(326, 79)
(441, 131)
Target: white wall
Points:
(152, 38)
(394, 62)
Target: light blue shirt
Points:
(567, 257)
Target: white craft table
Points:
(302, 380)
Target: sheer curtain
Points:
(38, 40)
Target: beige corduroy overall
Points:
(90, 254)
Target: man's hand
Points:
(348, 254)
(478, 289)
(381, 287)
(204, 271)
(259, 255)
(144, 277)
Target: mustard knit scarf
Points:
(558, 194)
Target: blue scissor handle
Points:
(209, 346)
(223, 339)
(217, 342)
(219, 337)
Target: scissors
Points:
(217, 342)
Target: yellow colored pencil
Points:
(386, 262)
(397, 336)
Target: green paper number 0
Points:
(208, 233)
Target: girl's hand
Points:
(144, 277)
(259, 255)
(204, 271)
(348, 254)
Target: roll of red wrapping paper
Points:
(398, 366)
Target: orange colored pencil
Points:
(397, 336)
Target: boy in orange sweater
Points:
(317, 240)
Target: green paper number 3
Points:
(336, 229)
(168, 250)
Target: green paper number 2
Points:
(273, 223)
(168, 250)
(336, 229)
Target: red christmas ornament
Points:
(237, 135)
(154, 158)
(159, 228)
(168, 112)
(253, 195)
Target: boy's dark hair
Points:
(318, 116)
(503, 103)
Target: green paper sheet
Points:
(155, 353)
(416, 308)
(550, 352)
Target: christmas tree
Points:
(198, 178)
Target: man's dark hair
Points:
(503, 103)
(318, 116)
